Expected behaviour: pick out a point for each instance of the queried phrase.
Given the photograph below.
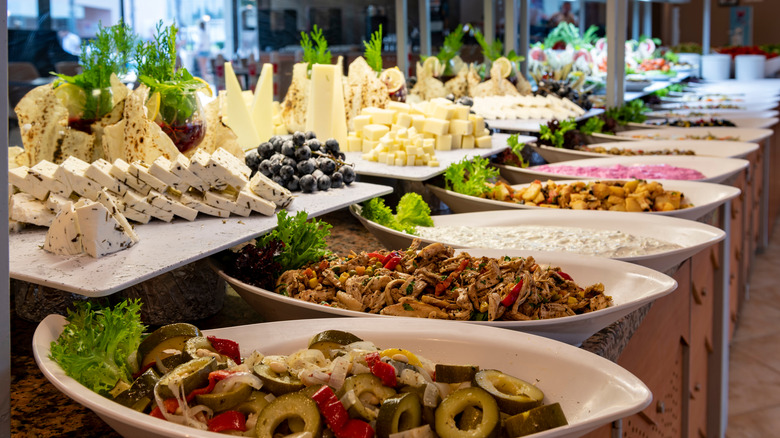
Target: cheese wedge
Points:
(73, 170)
(161, 169)
(101, 234)
(45, 172)
(100, 172)
(163, 202)
(263, 104)
(266, 188)
(120, 170)
(24, 207)
(27, 182)
(140, 170)
(238, 117)
(225, 201)
(180, 166)
(255, 203)
(198, 203)
(114, 207)
(64, 235)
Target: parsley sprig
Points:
(110, 52)
(304, 240)
(157, 70)
(556, 136)
(470, 177)
(315, 48)
(373, 52)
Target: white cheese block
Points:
(55, 202)
(101, 234)
(263, 104)
(161, 169)
(436, 126)
(484, 142)
(140, 170)
(100, 172)
(379, 115)
(226, 167)
(120, 170)
(113, 205)
(225, 202)
(135, 215)
(24, 207)
(138, 202)
(198, 203)
(161, 201)
(255, 203)
(64, 235)
(73, 169)
(26, 182)
(199, 165)
(238, 117)
(266, 188)
(45, 172)
(180, 167)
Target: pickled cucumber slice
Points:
(289, 407)
(167, 337)
(277, 383)
(513, 395)
(458, 402)
(189, 375)
(399, 413)
(536, 420)
(225, 400)
(330, 340)
(455, 373)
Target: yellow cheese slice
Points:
(238, 117)
(263, 104)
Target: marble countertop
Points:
(39, 409)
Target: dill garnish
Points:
(373, 52)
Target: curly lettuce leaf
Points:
(304, 240)
(375, 210)
(470, 177)
(95, 346)
(412, 211)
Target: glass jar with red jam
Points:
(181, 117)
(85, 107)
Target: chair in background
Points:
(20, 77)
(70, 68)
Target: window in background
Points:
(22, 15)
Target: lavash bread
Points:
(218, 135)
(363, 89)
(459, 85)
(296, 100)
(43, 120)
(495, 86)
(427, 86)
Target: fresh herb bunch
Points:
(412, 211)
(470, 177)
(494, 51)
(450, 49)
(630, 112)
(568, 33)
(110, 52)
(157, 70)
(517, 148)
(315, 48)
(592, 125)
(304, 240)
(95, 346)
(373, 52)
(553, 133)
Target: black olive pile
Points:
(302, 163)
(563, 89)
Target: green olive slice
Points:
(513, 395)
(361, 384)
(458, 402)
(455, 373)
(189, 375)
(277, 383)
(399, 413)
(536, 420)
(225, 400)
(167, 337)
(330, 340)
(289, 407)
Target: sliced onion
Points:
(269, 397)
(418, 432)
(304, 434)
(431, 395)
(229, 383)
(348, 399)
(339, 372)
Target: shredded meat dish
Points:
(434, 282)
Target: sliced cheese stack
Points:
(95, 228)
(416, 130)
(526, 107)
(216, 184)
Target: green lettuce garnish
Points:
(95, 346)
(412, 211)
(304, 240)
(470, 177)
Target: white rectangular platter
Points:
(532, 125)
(422, 173)
(163, 246)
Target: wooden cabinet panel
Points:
(704, 267)
(738, 264)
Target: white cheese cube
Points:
(389, 159)
(114, 207)
(161, 169)
(266, 188)
(197, 202)
(456, 141)
(379, 115)
(429, 145)
(484, 142)
(140, 170)
(24, 207)
(399, 162)
(45, 172)
(225, 202)
(138, 202)
(374, 131)
(101, 234)
(369, 145)
(478, 121)
(410, 160)
(227, 167)
(436, 126)
(443, 112)
(24, 181)
(433, 163)
(404, 120)
(100, 172)
(360, 122)
(418, 122)
(73, 169)
(180, 166)
(461, 127)
(55, 202)
(398, 107)
(64, 236)
(382, 157)
(444, 142)
(467, 142)
(121, 171)
(354, 144)
(163, 202)
(460, 112)
(199, 165)
(255, 203)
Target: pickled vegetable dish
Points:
(434, 282)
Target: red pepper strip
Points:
(390, 256)
(393, 262)
(356, 429)
(443, 285)
(376, 255)
(226, 347)
(143, 370)
(331, 408)
(565, 276)
(170, 405)
(228, 420)
(383, 370)
(511, 297)
(214, 376)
